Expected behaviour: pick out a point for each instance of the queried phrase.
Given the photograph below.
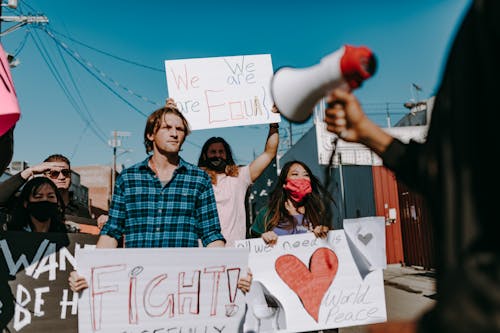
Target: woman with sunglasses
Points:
(40, 208)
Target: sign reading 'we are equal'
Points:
(222, 91)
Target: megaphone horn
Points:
(296, 91)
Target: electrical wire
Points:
(89, 67)
(21, 44)
(109, 54)
(85, 66)
(85, 107)
(77, 145)
(53, 69)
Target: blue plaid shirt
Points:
(149, 214)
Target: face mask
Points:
(298, 188)
(42, 210)
(216, 163)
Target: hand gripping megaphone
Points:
(296, 91)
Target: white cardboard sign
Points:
(315, 284)
(161, 290)
(222, 91)
(366, 238)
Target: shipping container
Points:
(357, 182)
(387, 204)
(416, 229)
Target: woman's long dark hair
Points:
(20, 215)
(313, 202)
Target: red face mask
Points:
(298, 188)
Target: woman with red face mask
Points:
(296, 205)
(40, 208)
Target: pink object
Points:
(230, 197)
(9, 106)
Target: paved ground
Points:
(407, 291)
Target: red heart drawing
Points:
(310, 284)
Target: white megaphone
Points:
(296, 91)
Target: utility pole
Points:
(114, 143)
(388, 115)
(20, 20)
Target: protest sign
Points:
(313, 283)
(366, 239)
(222, 91)
(161, 290)
(34, 290)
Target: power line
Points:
(85, 66)
(27, 5)
(21, 44)
(77, 145)
(91, 118)
(88, 66)
(53, 69)
(109, 54)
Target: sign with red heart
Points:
(304, 284)
(309, 283)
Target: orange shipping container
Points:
(385, 189)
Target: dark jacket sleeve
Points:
(6, 149)
(405, 160)
(9, 187)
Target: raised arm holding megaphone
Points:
(296, 91)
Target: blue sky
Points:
(64, 109)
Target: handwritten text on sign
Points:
(222, 91)
(161, 290)
(316, 282)
(36, 266)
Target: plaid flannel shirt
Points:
(149, 214)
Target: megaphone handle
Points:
(331, 105)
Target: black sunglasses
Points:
(55, 173)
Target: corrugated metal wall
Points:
(418, 242)
(359, 200)
(387, 204)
